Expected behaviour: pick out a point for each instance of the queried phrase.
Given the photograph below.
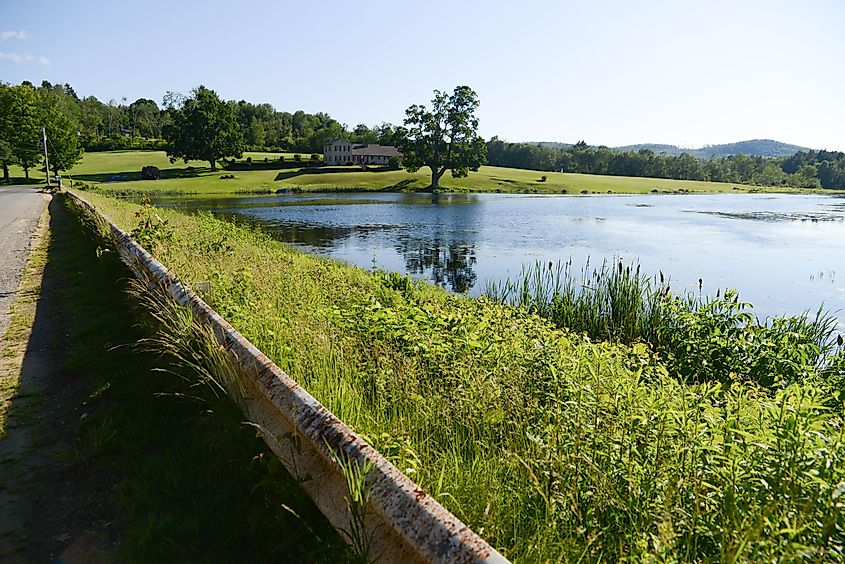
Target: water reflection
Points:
(443, 251)
(451, 263)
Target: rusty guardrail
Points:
(405, 522)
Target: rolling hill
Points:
(752, 147)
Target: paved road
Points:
(20, 208)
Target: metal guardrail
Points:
(406, 524)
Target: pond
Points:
(784, 253)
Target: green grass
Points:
(195, 177)
(551, 446)
(492, 179)
(192, 481)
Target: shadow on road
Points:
(105, 457)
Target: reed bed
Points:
(698, 338)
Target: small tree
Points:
(204, 128)
(444, 137)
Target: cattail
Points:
(661, 277)
(839, 340)
(700, 283)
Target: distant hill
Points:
(752, 147)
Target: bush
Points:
(281, 158)
(394, 163)
(297, 157)
(150, 173)
(542, 178)
(249, 160)
(315, 157)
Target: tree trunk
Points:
(26, 172)
(435, 178)
(213, 163)
(5, 171)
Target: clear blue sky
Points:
(613, 72)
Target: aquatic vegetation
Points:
(697, 338)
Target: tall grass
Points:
(612, 302)
(699, 338)
(551, 445)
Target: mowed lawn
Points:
(119, 171)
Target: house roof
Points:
(376, 150)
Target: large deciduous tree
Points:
(203, 128)
(59, 115)
(444, 137)
(6, 156)
(20, 128)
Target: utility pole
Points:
(46, 161)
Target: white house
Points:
(342, 152)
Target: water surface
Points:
(785, 253)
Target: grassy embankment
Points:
(551, 446)
(180, 476)
(119, 171)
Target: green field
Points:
(119, 172)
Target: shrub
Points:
(249, 160)
(297, 157)
(150, 173)
(281, 158)
(394, 163)
(542, 178)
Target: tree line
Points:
(120, 124)
(180, 125)
(805, 169)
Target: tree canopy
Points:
(24, 110)
(804, 169)
(204, 128)
(444, 137)
(60, 118)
